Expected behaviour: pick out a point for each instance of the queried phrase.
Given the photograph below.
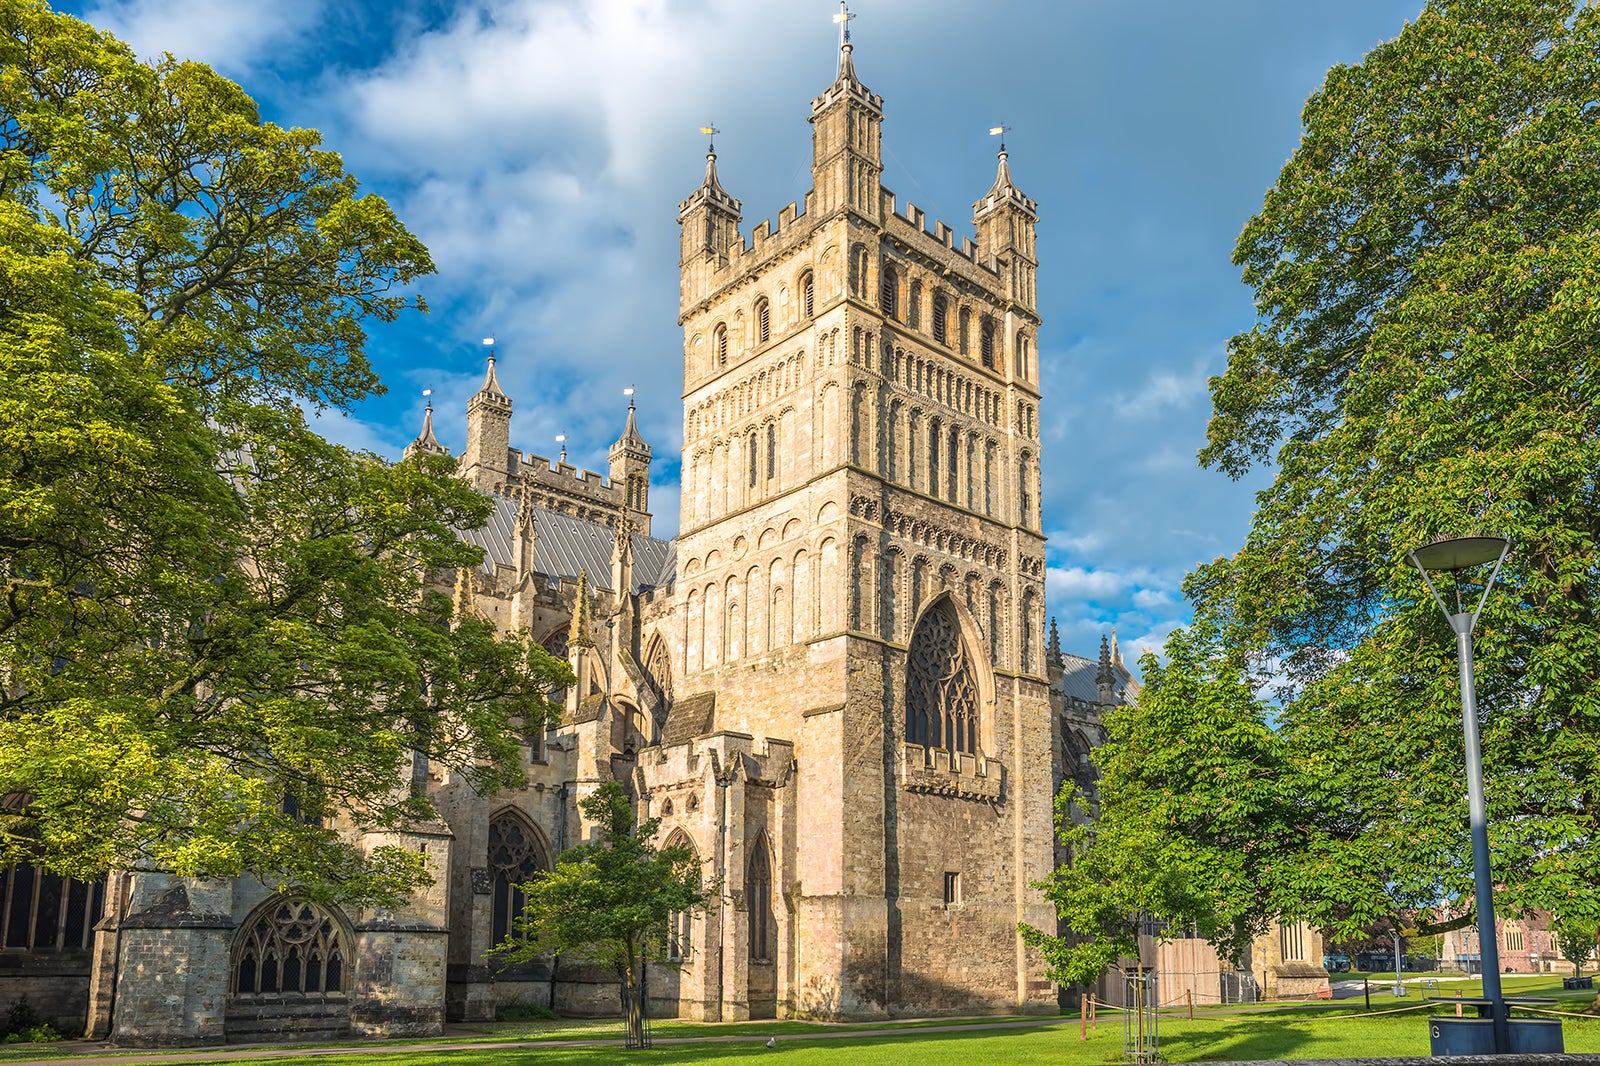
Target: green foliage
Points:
(608, 902)
(1577, 938)
(1427, 279)
(221, 636)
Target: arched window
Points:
(750, 447)
(758, 898)
(935, 432)
(658, 665)
(1022, 355)
(1025, 498)
(719, 343)
(953, 477)
(772, 450)
(941, 688)
(889, 595)
(515, 855)
(763, 321)
(889, 292)
(940, 310)
(858, 269)
(680, 924)
(986, 342)
(963, 327)
(555, 642)
(42, 911)
(808, 295)
(290, 945)
(914, 306)
(1027, 652)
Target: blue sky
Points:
(540, 148)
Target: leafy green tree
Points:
(1427, 280)
(1576, 937)
(221, 637)
(608, 902)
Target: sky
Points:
(540, 149)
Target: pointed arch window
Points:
(772, 450)
(941, 686)
(963, 328)
(914, 306)
(719, 343)
(763, 320)
(515, 856)
(291, 945)
(750, 447)
(940, 310)
(1022, 355)
(808, 293)
(758, 898)
(986, 342)
(889, 292)
(680, 924)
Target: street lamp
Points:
(1453, 555)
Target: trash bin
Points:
(1475, 1036)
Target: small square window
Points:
(952, 888)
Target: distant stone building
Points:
(834, 685)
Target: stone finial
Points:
(426, 443)
(1105, 676)
(527, 536)
(1053, 648)
(581, 635)
(491, 390)
(463, 594)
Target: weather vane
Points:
(561, 439)
(711, 131)
(1000, 132)
(427, 394)
(628, 392)
(843, 19)
(488, 342)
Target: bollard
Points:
(1366, 991)
(1458, 1003)
(1188, 994)
(1083, 1019)
(1092, 1023)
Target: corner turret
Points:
(708, 222)
(846, 139)
(1006, 221)
(426, 443)
(630, 469)
(486, 460)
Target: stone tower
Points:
(860, 569)
(630, 468)
(486, 459)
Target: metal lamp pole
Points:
(1453, 555)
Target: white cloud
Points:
(1165, 389)
(224, 33)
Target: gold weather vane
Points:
(711, 131)
(427, 394)
(628, 392)
(1000, 132)
(843, 19)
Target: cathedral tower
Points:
(486, 459)
(860, 572)
(630, 469)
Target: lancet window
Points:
(758, 897)
(763, 320)
(680, 924)
(42, 911)
(291, 945)
(939, 312)
(941, 686)
(808, 286)
(986, 342)
(515, 855)
(889, 296)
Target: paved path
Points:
(87, 1053)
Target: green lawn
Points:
(1272, 1034)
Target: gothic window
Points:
(659, 667)
(986, 342)
(750, 449)
(914, 306)
(1028, 610)
(935, 431)
(42, 911)
(889, 294)
(941, 688)
(763, 321)
(939, 312)
(555, 642)
(515, 856)
(858, 269)
(963, 327)
(772, 450)
(680, 924)
(1022, 355)
(719, 343)
(291, 945)
(953, 479)
(889, 594)
(808, 286)
(758, 898)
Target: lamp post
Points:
(1453, 555)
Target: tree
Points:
(1427, 280)
(609, 902)
(221, 637)
(1576, 938)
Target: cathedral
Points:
(835, 684)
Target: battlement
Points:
(560, 475)
(940, 237)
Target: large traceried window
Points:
(680, 924)
(941, 687)
(41, 911)
(515, 855)
(291, 945)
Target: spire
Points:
(1116, 652)
(491, 384)
(630, 429)
(581, 634)
(847, 70)
(1053, 648)
(1105, 677)
(426, 443)
(527, 536)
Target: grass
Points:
(1278, 1032)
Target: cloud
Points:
(1166, 389)
(226, 34)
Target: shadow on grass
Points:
(1243, 1041)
